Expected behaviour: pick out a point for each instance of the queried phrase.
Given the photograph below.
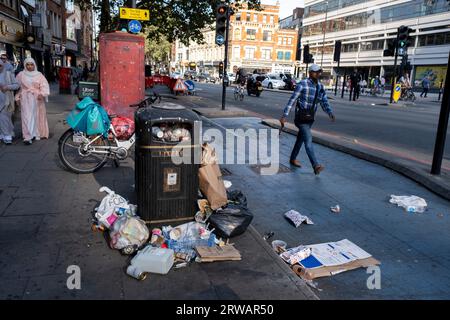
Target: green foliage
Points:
(173, 19)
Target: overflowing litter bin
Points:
(168, 151)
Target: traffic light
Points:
(403, 37)
(337, 51)
(390, 51)
(221, 23)
(221, 68)
(307, 57)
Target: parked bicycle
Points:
(83, 154)
(239, 93)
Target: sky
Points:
(286, 6)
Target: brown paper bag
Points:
(211, 185)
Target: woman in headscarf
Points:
(34, 90)
(8, 84)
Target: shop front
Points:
(11, 38)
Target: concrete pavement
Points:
(45, 227)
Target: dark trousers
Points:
(304, 136)
(424, 91)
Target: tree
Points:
(157, 50)
(172, 19)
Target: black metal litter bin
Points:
(167, 191)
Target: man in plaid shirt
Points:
(307, 95)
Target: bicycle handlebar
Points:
(146, 102)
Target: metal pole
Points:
(442, 128)
(394, 77)
(306, 71)
(133, 3)
(324, 33)
(440, 92)
(343, 83)
(225, 62)
(337, 77)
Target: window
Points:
(267, 36)
(280, 39)
(251, 34)
(280, 55)
(284, 41)
(289, 41)
(372, 45)
(248, 17)
(265, 18)
(237, 34)
(180, 57)
(287, 55)
(238, 17)
(255, 18)
(436, 39)
(350, 47)
(249, 53)
(271, 19)
(266, 54)
(236, 52)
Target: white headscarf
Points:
(30, 73)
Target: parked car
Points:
(273, 81)
(290, 83)
(190, 75)
(176, 75)
(232, 77)
(205, 77)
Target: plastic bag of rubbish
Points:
(129, 234)
(231, 221)
(410, 203)
(296, 218)
(111, 207)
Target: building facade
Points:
(53, 32)
(256, 42)
(366, 26)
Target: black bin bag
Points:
(231, 221)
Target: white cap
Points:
(315, 68)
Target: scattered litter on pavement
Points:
(128, 234)
(231, 221)
(327, 259)
(296, 218)
(211, 254)
(410, 203)
(295, 255)
(112, 207)
(336, 209)
(151, 260)
(279, 246)
(227, 184)
(313, 285)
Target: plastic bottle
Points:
(157, 132)
(411, 209)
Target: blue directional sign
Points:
(220, 40)
(134, 26)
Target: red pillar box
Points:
(122, 72)
(65, 85)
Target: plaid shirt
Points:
(305, 93)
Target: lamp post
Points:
(324, 32)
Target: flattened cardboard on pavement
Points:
(328, 259)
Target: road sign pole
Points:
(337, 77)
(442, 127)
(133, 3)
(394, 77)
(225, 62)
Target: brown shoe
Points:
(318, 169)
(295, 163)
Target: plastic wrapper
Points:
(167, 133)
(124, 127)
(112, 207)
(128, 231)
(296, 218)
(410, 203)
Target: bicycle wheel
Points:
(76, 159)
(241, 96)
(236, 96)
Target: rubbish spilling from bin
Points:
(224, 253)
(327, 259)
(170, 132)
(296, 218)
(410, 203)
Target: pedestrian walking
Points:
(426, 83)
(8, 84)
(8, 66)
(353, 85)
(85, 72)
(308, 93)
(34, 90)
(382, 85)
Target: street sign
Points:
(397, 92)
(134, 14)
(134, 26)
(220, 40)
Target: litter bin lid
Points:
(169, 106)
